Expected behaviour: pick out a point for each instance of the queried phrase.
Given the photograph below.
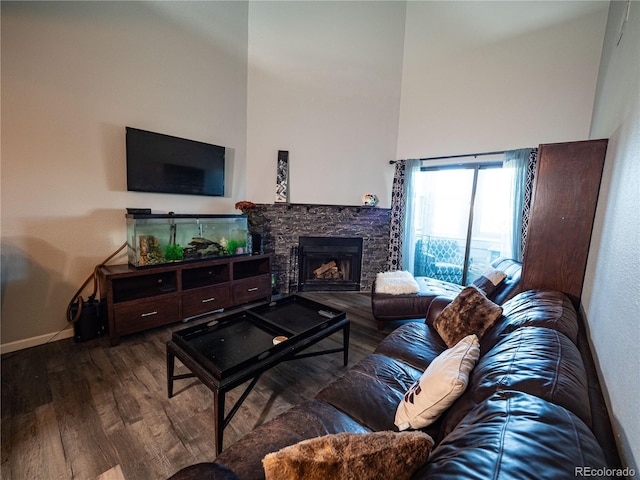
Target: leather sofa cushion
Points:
(536, 308)
(514, 435)
(414, 343)
(371, 390)
(306, 420)
(538, 361)
(401, 307)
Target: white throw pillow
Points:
(444, 380)
(397, 282)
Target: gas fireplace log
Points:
(324, 267)
(331, 274)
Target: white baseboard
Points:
(35, 341)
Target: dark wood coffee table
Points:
(230, 350)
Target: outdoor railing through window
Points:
(461, 220)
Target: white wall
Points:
(73, 75)
(324, 84)
(487, 76)
(611, 296)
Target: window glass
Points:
(444, 207)
(492, 213)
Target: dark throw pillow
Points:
(489, 281)
(471, 312)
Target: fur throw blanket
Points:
(351, 456)
(397, 282)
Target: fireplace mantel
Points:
(310, 206)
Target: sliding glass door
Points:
(461, 222)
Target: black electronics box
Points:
(90, 324)
(139, 211)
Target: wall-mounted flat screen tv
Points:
(165, 164)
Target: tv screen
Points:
(166, 164)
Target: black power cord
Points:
(77, 301)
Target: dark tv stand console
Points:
(139, 299)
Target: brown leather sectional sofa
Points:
(529, 410)
(389, 308)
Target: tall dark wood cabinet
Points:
(563, 208)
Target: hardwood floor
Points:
(87, 410)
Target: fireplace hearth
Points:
(329, 263)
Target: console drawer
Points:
(253, 288)
(203, 300)
(130, 317)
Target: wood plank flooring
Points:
(89, 411)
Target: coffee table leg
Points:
(170, 366)
(345, 342)
(218, 413)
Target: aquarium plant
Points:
(173, 253)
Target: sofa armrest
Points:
(511, 285)
(436, 306)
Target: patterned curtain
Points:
(398, 205)
(401, 241)
(528, 193)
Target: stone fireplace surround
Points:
(282, 224)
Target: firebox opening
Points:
(329, 263)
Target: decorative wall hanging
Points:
(282, 177)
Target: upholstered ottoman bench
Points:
(391, 307)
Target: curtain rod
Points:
(391, 162)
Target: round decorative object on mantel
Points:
(369, 200)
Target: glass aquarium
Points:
(158, 239)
